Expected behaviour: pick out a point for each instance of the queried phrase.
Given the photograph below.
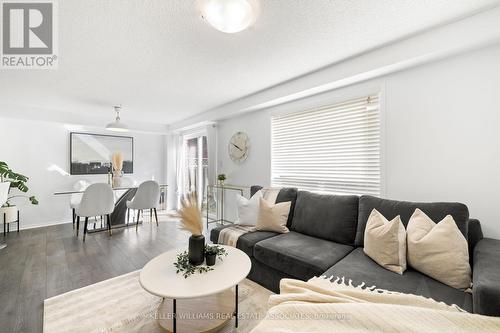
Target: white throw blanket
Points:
(323, 306)
(229, 236)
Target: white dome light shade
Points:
(117, 125)
(229, 16)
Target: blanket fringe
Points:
(348, 283)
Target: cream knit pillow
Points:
(273, 217)
(439, 250)
(385, 242)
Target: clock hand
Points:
(237, 146)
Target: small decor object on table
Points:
(190, 215)
(221, 178)
(117, 163)
(212, 252)
(187, 269)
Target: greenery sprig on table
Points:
(187, 269)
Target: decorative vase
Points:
(9, 213)
(196, 250)
(117, 178)
(221, 182)
(210, 259)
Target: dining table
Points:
(118, 218)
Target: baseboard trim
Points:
(27, 227)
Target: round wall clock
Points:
(238, 147)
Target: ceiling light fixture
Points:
(229, 16)
(117, 125)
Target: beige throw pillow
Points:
(439, 250)
(270, 193)
(273, 217)
(385, 242)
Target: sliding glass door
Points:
(195, 166)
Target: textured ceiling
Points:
(164, 63)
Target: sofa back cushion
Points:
(254, 189)
(330, 217)
(285, 194)
(392, 208)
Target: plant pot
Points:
(221, 182)
(196, 250)
(210, 259)
(10, 214)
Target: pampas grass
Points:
(190, 215)
(117, 161)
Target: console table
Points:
(223, 189)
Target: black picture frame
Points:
(97, 167)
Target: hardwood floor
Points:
(44, 262)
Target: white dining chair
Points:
(76, 198)
(97, 200)
(146, 197)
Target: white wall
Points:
(38, 149)
(441, 137)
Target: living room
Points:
(249, 166)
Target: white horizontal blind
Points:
(332, 149)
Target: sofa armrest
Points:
(474, 235)
(486, 277)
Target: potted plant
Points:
(16, 180)
(210, 255)
(191, 221)
(221, 178)
(212, 252)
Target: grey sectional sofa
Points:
(326, 238)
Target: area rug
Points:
(121, 305)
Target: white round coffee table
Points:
(201, 302)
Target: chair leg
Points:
(85, 228)
(77, 225)
(137, 221)
(139, 212)
(4, 222)
(156, 217)
(150, 215)
(128, 215)
(109, 224)
(18, 221)
(74, 217)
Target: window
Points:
(332, 149)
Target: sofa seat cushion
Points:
(299, 255)
(358, 267)
(245, 242)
